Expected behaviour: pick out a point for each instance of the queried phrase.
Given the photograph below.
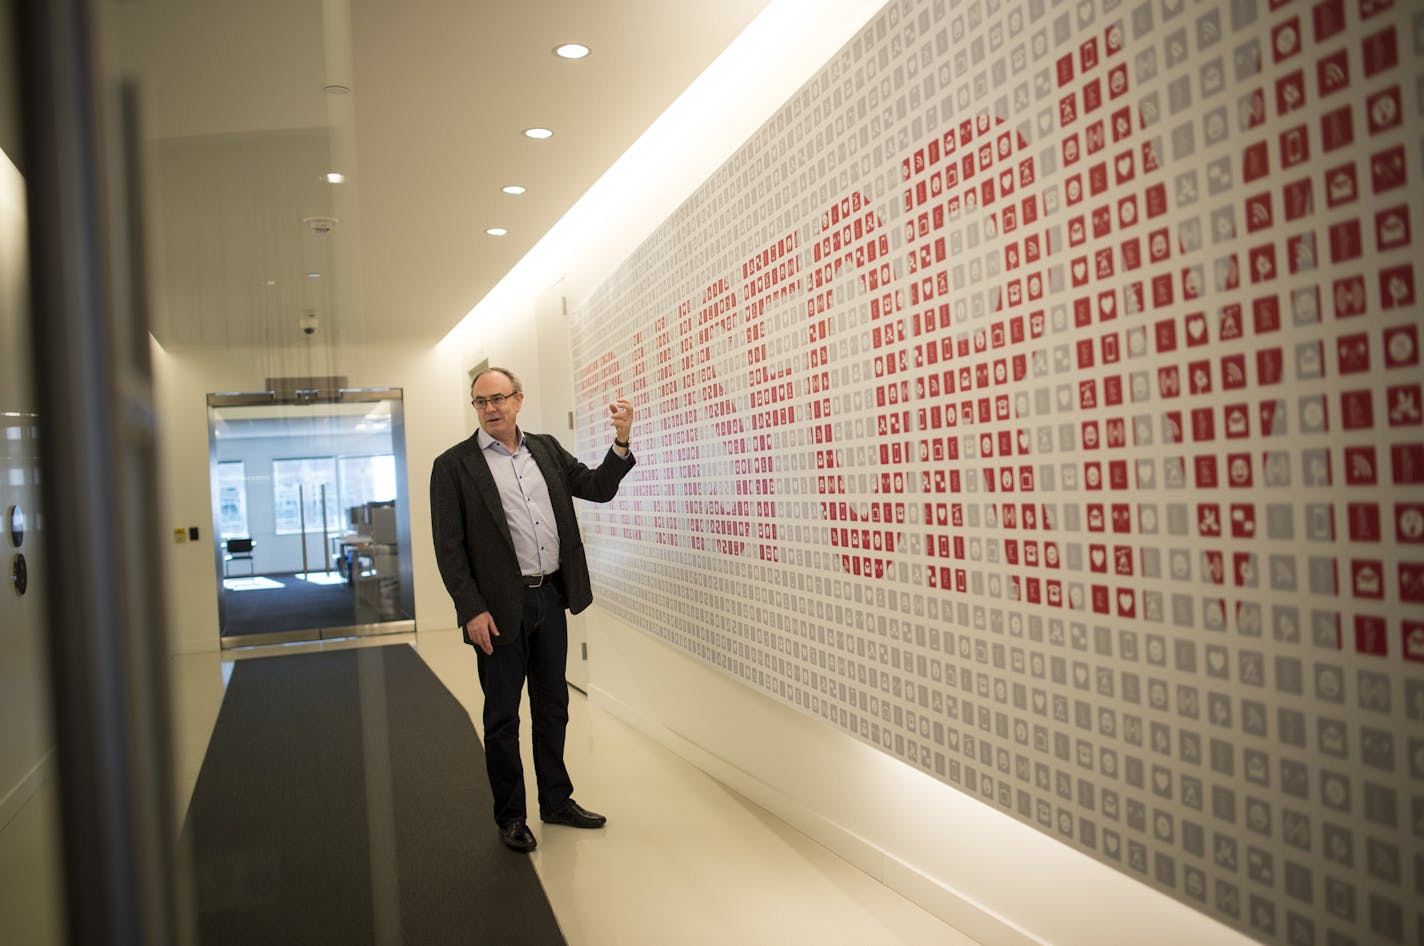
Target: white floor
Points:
(683, 859)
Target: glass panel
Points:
(367, 479)
(298, 490)
(232, 498)
(322, 503)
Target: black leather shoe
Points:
(574, 816)
(517, 837)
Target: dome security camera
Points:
(309, 324)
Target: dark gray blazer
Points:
(473, 546)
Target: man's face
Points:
(496, 420)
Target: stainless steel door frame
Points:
(285, 395)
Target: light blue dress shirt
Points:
(525, 497)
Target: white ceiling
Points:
(241, 131)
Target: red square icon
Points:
(1341, 185)
(1370, 636)
(1255, 162)
(1409, 523)
(1381, 52)
(1360, 466)
(1243, 521)
(1387, 169)
(1337, 128)
(1384, 110)
(1411, 582)
(1367, 578)
(1349, 297)
(1404, 405)
(1299, 199)
(1407, 463)
(1412, 640)
(1332, 73)
(1397, 286)
(1364, 520)
(1329, 17)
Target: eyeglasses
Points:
(497, 400)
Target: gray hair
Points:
(513, 378)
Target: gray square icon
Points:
(1295, 778)
(1247, 59)
(1319, 517)
(1335, 790)
(1285, 619)
(1177, 48)
(1373, 691)
(1329, 683)
(1381, 805)
(1280, 521)
(1289, 677)
(1219, 176)
(1298, 882)
(1338, 844)
(1333, 737)
(1142, 22)
(1325, 629)
(1323, 578)
(1377, 748)
(1183, 141)
(1178, 93)
(1243, 14)
(1283, 572)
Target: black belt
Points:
(537, 581)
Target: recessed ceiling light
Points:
(571, 51)
(515, 189)
(497, 231)
(313, 275)
(335, 89)
(335, 177)
(539, 133)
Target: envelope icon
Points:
(1367, 581)
(1392, 229)
(1341, 186)
(1414, 644)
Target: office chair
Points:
(239, 550)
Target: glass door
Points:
(310, 515)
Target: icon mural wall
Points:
(1037, 397)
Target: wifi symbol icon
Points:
(1332, 77)
(1260, 216)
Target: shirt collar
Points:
(485, 441)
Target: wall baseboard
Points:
(955, 909)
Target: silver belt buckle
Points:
(534, 581)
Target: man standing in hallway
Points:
(508, 545)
